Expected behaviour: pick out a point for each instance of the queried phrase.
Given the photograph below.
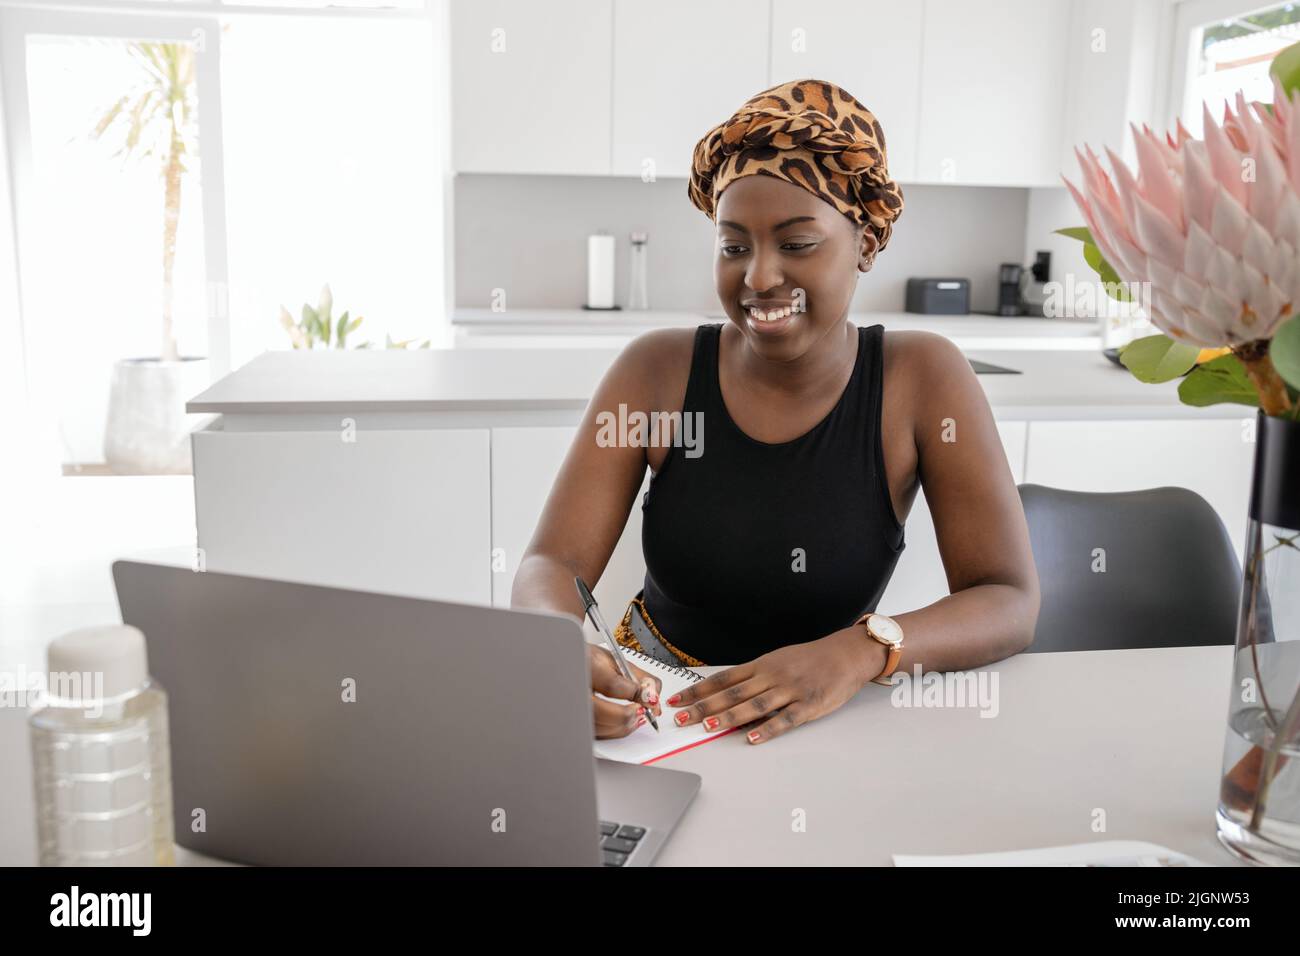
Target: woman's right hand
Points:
(619, 720)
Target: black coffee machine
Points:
(1013, 296)
(1010, 275)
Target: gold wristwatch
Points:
(888, 632)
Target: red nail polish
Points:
(710, 723)
(640, 722)
(672, 701)
(640, 711)
(753, 736)
(682, 717)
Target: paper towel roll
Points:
(600, 272)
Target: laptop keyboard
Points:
(618, 840)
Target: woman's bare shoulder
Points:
(926, 375)
(657, 366)
(920, 352)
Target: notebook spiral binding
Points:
(656, 662)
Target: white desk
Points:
(1136, 734)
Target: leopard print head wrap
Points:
(810, 133)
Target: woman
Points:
(769, 543)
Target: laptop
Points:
(319, 726)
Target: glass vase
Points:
(1259, 797)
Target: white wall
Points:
(527, 235)
(1049, 210)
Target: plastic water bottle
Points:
(100, 754)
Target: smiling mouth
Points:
(769, 315)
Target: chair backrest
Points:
(1150, 568)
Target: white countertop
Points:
(1054, 384)
(1073, 732)
(968, 331)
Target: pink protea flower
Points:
(1211, 225)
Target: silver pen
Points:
(593, 612)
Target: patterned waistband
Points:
(625, 636)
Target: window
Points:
(308, 141)
(1228, 48)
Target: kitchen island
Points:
(578, 328)
(424, 472)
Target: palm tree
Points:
(158, 118)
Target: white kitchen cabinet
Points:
(396, 510)
(1211, 457)
(525, 462)
(872, 48)
(919, 578)
(680, 68)
(1112, 75)
(993, 92)
(966, 94)
(531, 86)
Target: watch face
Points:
(885, 628)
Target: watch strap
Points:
(895, 651)
(891, 662)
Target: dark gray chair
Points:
(1171, 575)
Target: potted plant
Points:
(1209, 230)
(318, 327)
(147, 430)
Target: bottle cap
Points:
(97, 663)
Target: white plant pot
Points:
(148, 431)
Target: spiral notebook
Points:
(643, 745)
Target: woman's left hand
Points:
(784, 688)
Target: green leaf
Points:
(1082, 233)
(1284, 351)
(1117, 291)
(1286, 67)
(1219, 380)
(341, 331)
(308, 325)
(1111, 282)
(1158, 358)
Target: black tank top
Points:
(751, 546)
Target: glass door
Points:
(113, 129)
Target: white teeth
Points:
(772, 316)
